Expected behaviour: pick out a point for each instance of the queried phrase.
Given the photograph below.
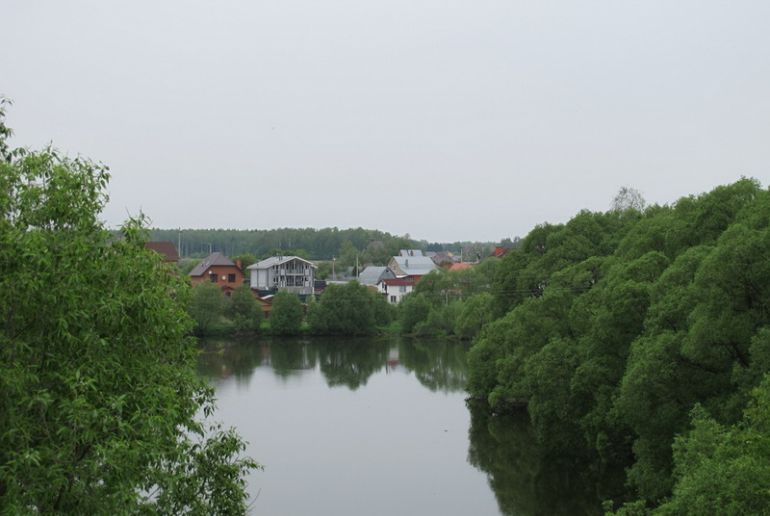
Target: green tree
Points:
(413, 309)
(246, 260)
(244, 310)
(724, 470)
(475, 313)
(615, 325)
(347, 255)
(440, 321)
(206, 307)
(99, 394)
(286, 315)
(344, 310)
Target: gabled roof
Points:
(443, 257)
(410, 252)
(277, 260)
(500, 251)
(414, 265)
(165, 249)
(373, 274)
(210, 261)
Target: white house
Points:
(395, 289)
(289, 273)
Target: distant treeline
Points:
(318, 244)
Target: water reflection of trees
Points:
(225, 358)
(291, 356)
(351, 362)
(523, 479)
(437, 364)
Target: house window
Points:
(231, 278)
(392, 299)
(213, 277)
(402, 288)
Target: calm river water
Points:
(379, 427)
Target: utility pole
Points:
(334, 276)
(179, 242)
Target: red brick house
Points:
(219, 269)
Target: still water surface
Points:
(379, 427)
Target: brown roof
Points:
(167, 249)
(210, 261)
(460, 266)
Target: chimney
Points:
(238, 264)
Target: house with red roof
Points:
(499, 251)
(395, 289)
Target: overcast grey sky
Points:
(443, 119)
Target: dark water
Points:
(380, 426)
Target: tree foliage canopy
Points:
(99, 394)
(287, 314)
(350, 309)
(613, 326)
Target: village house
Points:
(411, 262)
(166, 249)
(395, 289)
(373, 275)
(290, 273)
(219, 269)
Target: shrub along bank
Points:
(641, 338)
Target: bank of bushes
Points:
(450, 303)
(349, 309)
(216, 314)
(641, 339)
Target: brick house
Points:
(219, 269)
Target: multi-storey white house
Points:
(290, 273)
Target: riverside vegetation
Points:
(100, 399)
(640, 339)
(349, 309)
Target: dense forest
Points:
(640, 339)
(370, 245)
